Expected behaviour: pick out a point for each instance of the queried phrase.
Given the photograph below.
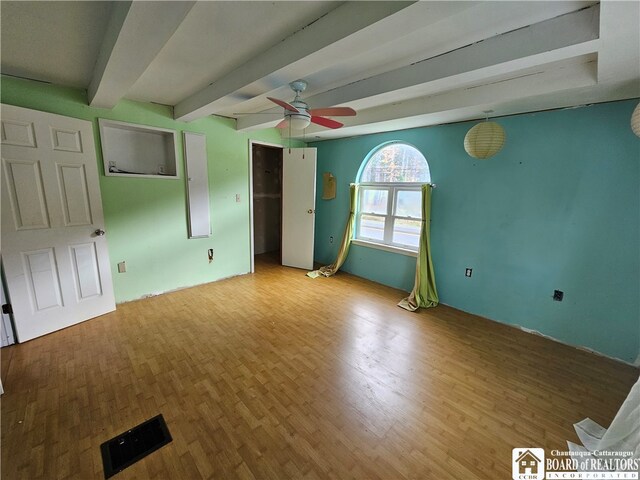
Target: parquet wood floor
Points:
(279, 376)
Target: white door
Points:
(298, 206)
(53, 246)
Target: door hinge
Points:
(6, 309)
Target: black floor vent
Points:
(127, 448)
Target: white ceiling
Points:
(55, 42)
(400, 64)
(216, 38)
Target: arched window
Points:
(389, 204)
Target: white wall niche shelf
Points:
(141, 151)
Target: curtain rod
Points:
(433, 185)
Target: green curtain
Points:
(424, 293)
(346, 239)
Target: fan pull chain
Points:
(304, 140)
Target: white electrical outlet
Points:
(122, 267)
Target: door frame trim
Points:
(252, 267)
(7, 319)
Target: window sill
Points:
(386, 248)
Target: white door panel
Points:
(66, 140)
(74, 194)
(20, 134)
(26, 193)
(86, 271)
(298, 206)
(57, 268)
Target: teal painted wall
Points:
(146, 219)
(557, 208)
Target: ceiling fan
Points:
(298, 116)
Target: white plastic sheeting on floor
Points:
(620, 441)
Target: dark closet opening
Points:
(267, 201)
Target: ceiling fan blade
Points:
(283, 124)
(333, 112)
(285, 105)
(326, 122)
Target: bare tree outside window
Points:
(396, 163)
(389, 211)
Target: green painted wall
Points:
(557, 208)
(146, 219)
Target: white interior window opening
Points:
(389, 204)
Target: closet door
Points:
(298, 206)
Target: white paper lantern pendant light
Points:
(485, 139)
(635, 120)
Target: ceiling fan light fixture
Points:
(298, 121)
(297, 115)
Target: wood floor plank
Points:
(276, 375)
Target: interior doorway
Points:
(266, 188)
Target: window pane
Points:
(374, 201)
(409, 204)
(371, 227)
(396, 163)
(407, 232)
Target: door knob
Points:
(310, 211)
(99, 232)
